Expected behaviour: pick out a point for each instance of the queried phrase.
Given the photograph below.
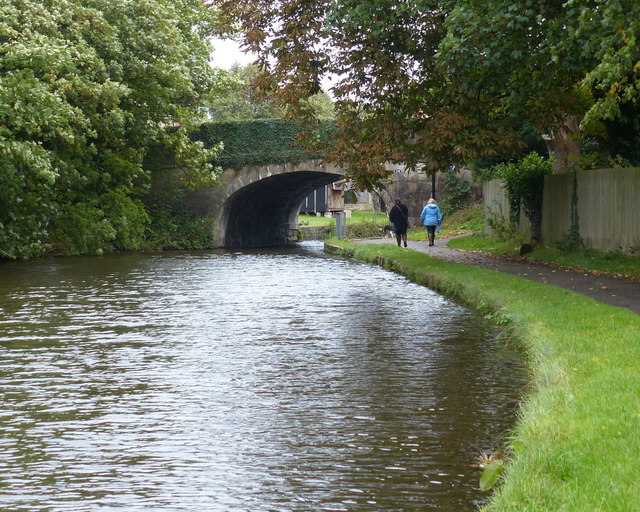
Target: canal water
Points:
(253, 381)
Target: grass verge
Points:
(591, 260)
(356, 216)
(369, 224)
(575, 446)
(462, 221)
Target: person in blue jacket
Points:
(431, 217)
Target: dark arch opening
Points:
(262, 214)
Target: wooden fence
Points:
(496, 208)
(608, 208)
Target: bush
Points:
(364, 229)
(113, 221)
(457, 192)
(524, 183)
(180, 229)
(175, 226)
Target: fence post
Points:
(341, 224)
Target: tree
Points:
(393, 102)
(86, 88)
(239, 100)
(429, 83)
(606, 36)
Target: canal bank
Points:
(575, 446)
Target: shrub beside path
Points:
(615, 291)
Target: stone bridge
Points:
(257, 206)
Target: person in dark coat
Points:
(399, 217)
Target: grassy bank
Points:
(576, 444)
(614, 263)
(463, 221)
(356, 216)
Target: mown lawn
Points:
(576, 443)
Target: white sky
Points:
(226, 53)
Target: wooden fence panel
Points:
(556, 207)
(496, 206)
(608, 208)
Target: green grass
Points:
(470, 219)
(576, 444)
(463, 221)
(585, 259)
(489, 245)
(356, 216)
(590, 259)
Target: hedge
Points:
(261, 142)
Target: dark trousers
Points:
(431, 230)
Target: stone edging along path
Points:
(615, 291)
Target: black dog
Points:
(388, 231)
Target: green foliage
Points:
(364, 229)
(240, 101)
(607, 35)
(173, 225)
(503, 229)
(86, 87)
(26, 200)
(522, 66)
(82, 229)
(491, 474)
(179, 228)
(457, 192)
(113, 221)
(524, 183)
(545, 48)
(260, 141)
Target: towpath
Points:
(616, 291)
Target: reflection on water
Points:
(264, 381)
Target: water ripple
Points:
(248, 381)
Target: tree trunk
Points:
(564, 145)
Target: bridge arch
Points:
(258, 206)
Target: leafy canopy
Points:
(432, 83)
(238, 101)
(86, 87)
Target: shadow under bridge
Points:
(264, 213)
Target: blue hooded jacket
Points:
(431, 215)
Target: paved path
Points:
(615, 291)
